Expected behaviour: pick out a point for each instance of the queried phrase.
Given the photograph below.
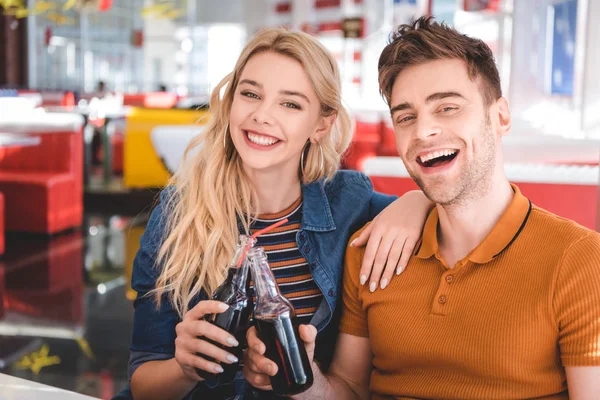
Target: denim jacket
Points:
(332, 211)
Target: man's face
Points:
(443, 131)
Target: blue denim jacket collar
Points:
(316, 212)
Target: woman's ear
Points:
(323, 128)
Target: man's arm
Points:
(348, 376)
(349, 372)
(576, 303)
(583, 382)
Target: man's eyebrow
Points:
(400, 107)
(442, 95)
(429, 99)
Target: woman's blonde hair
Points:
(212, 193)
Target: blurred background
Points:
(99, 99)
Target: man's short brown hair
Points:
(426, 40)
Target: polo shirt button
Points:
(307, 249)
(330, 293)
(302, 236)
(449, 278)
(442, 299)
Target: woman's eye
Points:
(250, 94)
(292, 105)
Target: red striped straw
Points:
(261, 232)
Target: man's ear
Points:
(503, 120)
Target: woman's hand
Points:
(193, 347)
(391, 238)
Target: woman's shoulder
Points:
(349, 181)
(145, 271)
(155, 228)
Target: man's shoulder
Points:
(557, 231)
(357, 234)
(354, 254)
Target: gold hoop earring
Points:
(225, 136)
(322, 165)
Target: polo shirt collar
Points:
(502, 235)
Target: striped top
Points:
(289, 266)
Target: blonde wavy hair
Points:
(211, 191)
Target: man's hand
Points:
(258, 369)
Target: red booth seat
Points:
(570, 191)
(134, 99)
(117, 143)
(151, 99)
(50, 98)
(117, 140)
(2, 291)
(43, 184)
(387, 147)
(365, 141)
(43, 277)
(1, 224)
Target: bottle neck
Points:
(238, 268)
(265, 284)
(244, 245)
(239, 276)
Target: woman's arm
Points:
(174, 378)
(160, 380)
(165, 349)
(153, 371)
(392, 236)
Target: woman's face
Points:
(275, 110)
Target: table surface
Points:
(12, 388)
(15, 139)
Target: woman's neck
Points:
(275, 192)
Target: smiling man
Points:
(502, 298)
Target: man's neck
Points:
(275, 190)
(464, 226)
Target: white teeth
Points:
(261, 140)
(435, 154)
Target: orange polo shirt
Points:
(503, 323)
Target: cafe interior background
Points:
(99, 99)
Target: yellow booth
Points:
(154, 143)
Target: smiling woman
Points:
(275, 109)
(256, 109)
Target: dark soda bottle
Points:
(233, 292)
(277, 328)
